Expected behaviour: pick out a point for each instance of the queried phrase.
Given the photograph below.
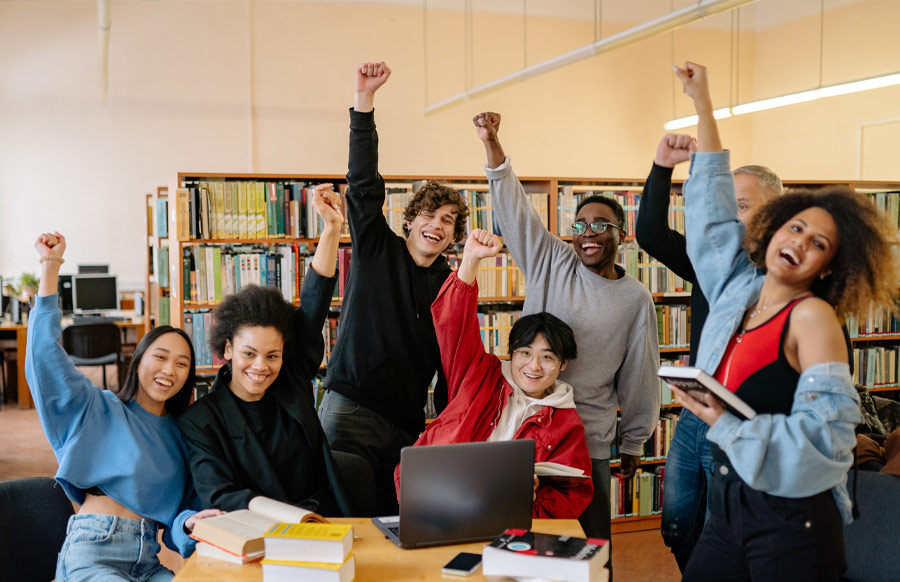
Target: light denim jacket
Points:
(798, 455)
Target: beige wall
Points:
(183, 76)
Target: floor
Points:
(25, 452)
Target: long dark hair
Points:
(176, 404)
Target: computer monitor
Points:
(89, 269)
(94, 294)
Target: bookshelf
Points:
(501, 285)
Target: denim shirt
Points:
(796, 455)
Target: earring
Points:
(823, 275)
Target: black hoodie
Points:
(386, 352)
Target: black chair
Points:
(94, 344)
(871, 541)
(34, 514)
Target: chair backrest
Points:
(357, 477)
(92, 340)
(873, 546)
(34, 513)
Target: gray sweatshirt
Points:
(614, 322)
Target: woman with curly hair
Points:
(121, 457)
(778, 491)
(257, 432)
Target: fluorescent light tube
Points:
(692, 119)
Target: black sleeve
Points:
(652, 226)
(308, 320)
(214, 477)
(365, 194)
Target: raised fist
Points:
(371, 76)
(487, 124)
(674, 148)
(481, 244)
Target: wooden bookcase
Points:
(555, 188)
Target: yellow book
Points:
(261, 224)
(319, 542)
(242, 210)
(289, 571)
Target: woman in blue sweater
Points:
(121, 457)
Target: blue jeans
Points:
(353, 428)
(102, 548)
(688, 467)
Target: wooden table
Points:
(377, 558)
(136, 323)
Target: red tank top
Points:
(751, 351)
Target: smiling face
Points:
(597, 251)
(162, 371)
(802, 248)
(535, 367)
(255, 353)
(430, 233)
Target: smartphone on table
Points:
(464, 564)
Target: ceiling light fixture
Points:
(792, 99)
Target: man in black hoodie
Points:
(387, 353)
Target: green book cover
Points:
(217, 272)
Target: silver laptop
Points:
(452, 494)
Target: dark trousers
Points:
(353, 428)
(751, 535)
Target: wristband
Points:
(57, 258)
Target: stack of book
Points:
(519, 553)
(314, 552)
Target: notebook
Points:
(451, 494)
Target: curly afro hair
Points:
(432, 196)
(253, 306)
(864, 271)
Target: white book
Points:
(698, 384)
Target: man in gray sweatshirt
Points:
(610, 312)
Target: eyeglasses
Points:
(526, 355)
(579, 228)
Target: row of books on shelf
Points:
(879, 322)
(673, 325)
(657, 446)
(238, 209)
(889, 203)
(655, 276)
(638, 495)
(212, 272)
(876, 366)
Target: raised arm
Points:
(365, 196)
(528, 240)
(61, 393)
(318, 286)
(652, 229)
(455, 315)
(714, 234)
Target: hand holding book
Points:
(702, 394)
(705, 406)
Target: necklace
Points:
(765, 306)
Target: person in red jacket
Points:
(494, 400)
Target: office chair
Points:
(34, 514)
(94, 344)
(871, 542)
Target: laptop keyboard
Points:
(394, 530)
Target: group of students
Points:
(768, 494)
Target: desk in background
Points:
(21, 330)
(377, 558)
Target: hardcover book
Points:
(699, 384)
(521, 553)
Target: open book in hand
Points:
(240, 532)
(557, 475)
(699, 385)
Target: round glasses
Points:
(526, 355)
(579, 228)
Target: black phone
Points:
(464, 564)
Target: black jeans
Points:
(751, 535)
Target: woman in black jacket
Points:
(257, 432)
